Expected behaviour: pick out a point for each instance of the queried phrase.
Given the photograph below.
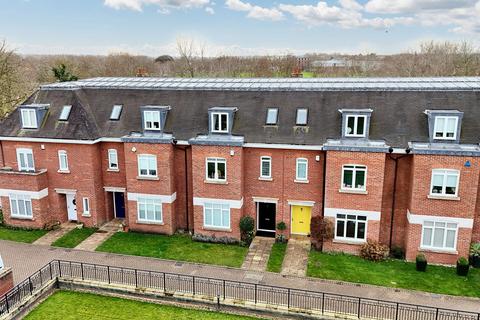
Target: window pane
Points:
(347, 178)
(225, 218)
(216, 122)
(450, 241)
(450, 128)
(23, 164)
(211, 170)
(224, 122)
(217, 217)
(438, 236)
(28, 207)
(65, 113)
(350, 229)
(21, 207)
(360, 180)
(302, 116)
(361, 230)
(265, 167)
(115, 115)
(272, 116)
(208, 216)
(30, 160)
(340, 228)
(350, 125)
(13, 204)
(158, 211)
(360, 125)
(427, 236)
(221, 170)
(439, 127)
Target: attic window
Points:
(116, 111)
(272, 116)
(151, 120)
(445, 128)
(219, 122)
(356, 126)
(65, 113)
(29, 118)
(302, 117)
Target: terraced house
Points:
(394, 160)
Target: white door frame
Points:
(114, 205)
(257, 204)
(71, 207)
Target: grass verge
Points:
(74, 237)
(276, 257)
(20, 235)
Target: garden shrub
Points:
(462, 266)
(213, 239)
(247, 229)
(281, 238)
(397, 252)
(2, 221)
(421, 262)
(320, 230)
(374, 251)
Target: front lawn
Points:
(74, 237)
(276, 257)
(20, 235)
(68, 305)
(176, 247)
(393, 273)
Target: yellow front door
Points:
(301, 219)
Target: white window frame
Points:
(356, 167)
(149, 201)
(21, 152)
(116, 112)
(212, 120)
(345, 220)
(63, 153)
(155, 114)
(443, 131)
(434, 227)
(29, 118)
(113, 155)
(297, 115)
(355, 126)
(297, 162)
(275, 110)
(266, 159)
(147, 157)
(65, 113)
(216, 161)
(445, 173)
(86, 206)
(223, 207)
(14, 206)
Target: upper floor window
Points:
(65, 113)
(354, 177)
(272, 116)
(301, 169)
(216, 169)
(355, 126)
(265, 167)
(112, 159)
(116, 111)
(29, 118)
(439, 235)
(25, 159)
(219, 122)
(302, 117)
(151, 119)
(149, 210)
(62, 160)
(147, 165)
(350, 227)
(444, 182)
(20, 206)
(445, 128)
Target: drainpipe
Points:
(184, 148)
(3, 155)
(324, 183)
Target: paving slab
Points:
(56, 234)
(99, 237)
(258, 254)
(296, 257)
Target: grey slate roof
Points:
(398, 115)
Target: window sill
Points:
(86, 215)
(438, 250)
(300, 181)
(63, 171)
(349, 241)
(216, 182)
(442, 197)
(353, 191)
(158, 223)
(217, 229)
(113, 170)
(22, 218)
(148, 178)
(265, 179)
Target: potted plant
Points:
(281, 226)
(462, 266)
(475, 255)
(421, 262)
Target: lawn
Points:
(20, 235)
(176, 247)
(68, 305)
(276, 257)
(74, 237)
(393, 273)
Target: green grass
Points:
(20, 235)
(176, 247)
(306, 74)
(68, 305)
(393, 273)
(74, 237)
(276, 257)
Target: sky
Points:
(239, 27)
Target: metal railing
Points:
(221, 290)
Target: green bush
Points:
(247, 229)
(475, 249)
(397, 252)
(421, 262)
(281, 226)
(374, 251)
(2, 221)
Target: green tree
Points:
(62, 74)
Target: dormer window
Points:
(302, 117)
(272, 116)
(355, 126)
(29, 118)
(219, 122)
(445, 128)
(151, 120)
(116, 111)
(65, 113)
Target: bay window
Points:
(20, 206)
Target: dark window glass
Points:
(340, 228)
(361, 230)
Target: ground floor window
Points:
(351, 227)
(20, 206)
(439, 235)
(149, 210)
(216, 215)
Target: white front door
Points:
(71, 207)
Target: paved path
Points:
(96, 239)
(26, 259)
(258, 254)
(56, 234)
(296, 258)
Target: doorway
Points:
(71, 207)
(266, 213)
(301, 216)
(118, 205)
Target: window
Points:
(219, 122)
(302, 169)
(354, 177)
(445, 128)
(302, 116)
(151, 120)
(265, 167)
(355, 126)
(65, 113)
(20, 206)
(112, 159)
(216, 169)
(440, 235)
(86, 206)
(351, 227)
(116, 111)
(272, 116)
(216, 215)
(29, 118)
(147, 165)
(62, 160)
(25, 160)
(149, 210)
(444, 182)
